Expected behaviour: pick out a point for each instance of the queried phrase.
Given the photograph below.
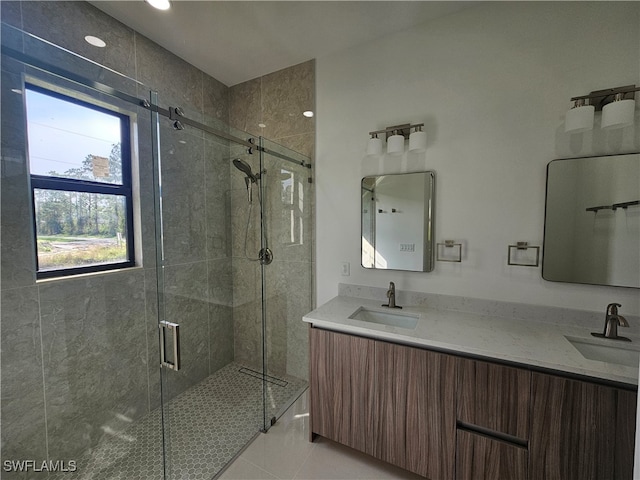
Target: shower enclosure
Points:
(165, 369)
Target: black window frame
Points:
(125, 190)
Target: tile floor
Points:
(286, 453)
(205, 426)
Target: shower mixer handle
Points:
(265, 256)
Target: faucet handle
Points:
(612, 308)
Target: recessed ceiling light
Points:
(308, 113)
(95, 41)
(262, 125)
(159, 4)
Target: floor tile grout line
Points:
(261, 468)
(306, 459)
(313, 445)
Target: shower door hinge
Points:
(310, 179)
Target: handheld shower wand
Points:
(248, 183)
(265, 256)
(249, 178)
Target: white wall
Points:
(492, 85)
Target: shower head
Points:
(245, 168)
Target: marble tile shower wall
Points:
(79, 355)
(271, 106)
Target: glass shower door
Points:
(76, 368)
(211, 381)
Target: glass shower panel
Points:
(286, 281)
(77, 362)
(213, 401)
(81, 380)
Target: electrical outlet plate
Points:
(345, 269)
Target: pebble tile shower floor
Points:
(208, 425)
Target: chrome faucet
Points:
(611, 322)
(391, 295)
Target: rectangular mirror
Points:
(397, 221)
(592, 221)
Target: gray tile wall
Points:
(275, 101)
(80, 355)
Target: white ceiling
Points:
(235, 41)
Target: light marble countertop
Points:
(536, 344)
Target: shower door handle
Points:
(164, 326)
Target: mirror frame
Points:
(429, 222)
(545, 258)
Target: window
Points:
(80, 166)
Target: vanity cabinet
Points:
(444, 416)
(393, 402)
(580, 430)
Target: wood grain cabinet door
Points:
(576, 430)
(494, 397)
(414, 410)
(483, 458)
(341, 388)
(625, 433)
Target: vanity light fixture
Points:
(617, 106)
(395, 137)
(395, 144)
(418, 140)
(580, 117)
(618, 113)
(374, 145)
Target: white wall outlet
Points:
(345, 269)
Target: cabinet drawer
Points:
(494, 397)
(479, 458)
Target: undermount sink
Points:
(393, 318)
(609, 351)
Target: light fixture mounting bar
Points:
(404, 130)
(599, 98)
